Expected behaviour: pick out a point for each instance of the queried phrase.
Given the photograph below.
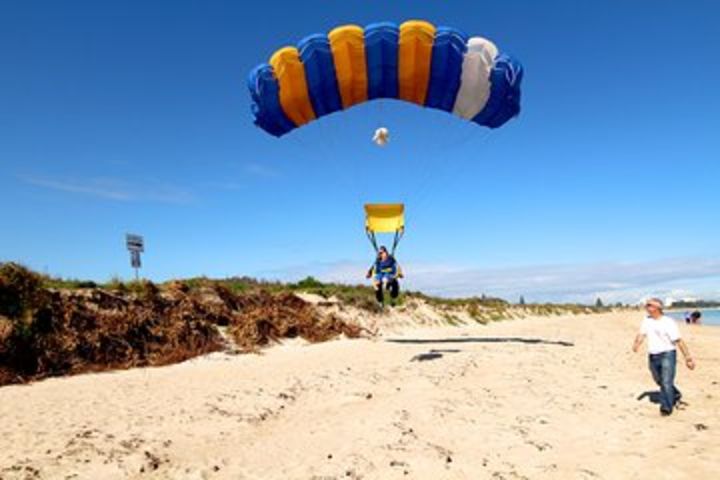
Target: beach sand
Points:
(550, 397)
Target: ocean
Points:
(710, 316)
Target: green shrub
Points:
(308, 283)
(451, 319)
(68, 284)
(20, 290)
(117, 285)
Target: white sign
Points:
(134, 243)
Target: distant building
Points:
(670, 301)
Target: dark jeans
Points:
(662, 367)
(392, 285)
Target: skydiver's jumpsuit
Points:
(386, 271)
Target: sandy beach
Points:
(551, 397)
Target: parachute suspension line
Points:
(398, 236)
(373, 241)
(301, 150)
(325, 143)
(328, 146)
(396, 240)
(381, 124)
(299, 141)
(315, 152)
(361, 157)
(442, 142)
(430, 179)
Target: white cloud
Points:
(627, 282)
(228, 185)
(260, 170)
(112, 189)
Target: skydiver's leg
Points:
(379, 296)
(394, 288)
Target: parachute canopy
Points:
(435, 67)
(384, 217)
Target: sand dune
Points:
(554, 397)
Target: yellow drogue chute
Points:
(385, 218)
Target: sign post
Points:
(135, 245)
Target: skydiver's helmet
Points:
(381, 137)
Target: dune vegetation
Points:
(51, 326)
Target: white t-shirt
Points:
(661, 333)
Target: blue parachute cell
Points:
(265, 93)
(381, 51)
(317, 59)
(504, 102)
(446, 68)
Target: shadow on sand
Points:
(652, 395)
(432, 355)
(429, 341)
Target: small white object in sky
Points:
(381, 137)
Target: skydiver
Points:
(385, 273)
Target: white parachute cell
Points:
(475, 79)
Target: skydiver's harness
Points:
(387, 267)
(386, 273)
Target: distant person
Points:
(663, 337)
(688, 318)
(385, 273)
(695, 317)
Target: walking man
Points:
(663, 337)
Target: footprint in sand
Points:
(152, 462)
(511, 475)
(585, 473)
(540, 446)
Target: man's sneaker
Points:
(665, 412)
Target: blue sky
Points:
(133, 116)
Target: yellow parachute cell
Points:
(294, 97)
(414, 60)
(347, 44)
